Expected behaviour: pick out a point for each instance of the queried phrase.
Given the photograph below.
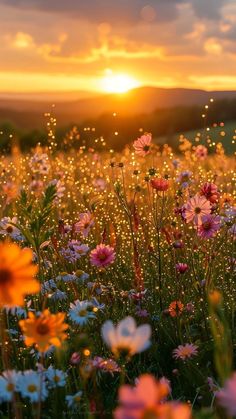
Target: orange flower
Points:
(175, 308)
(43, 331)
(16, 274)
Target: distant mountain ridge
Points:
(29, 113)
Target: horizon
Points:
(112, 48)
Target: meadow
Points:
(117, 281)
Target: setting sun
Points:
(118, 83)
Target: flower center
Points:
(9, 229)
(10, 387)
(102, 256)
(32, 388)
(42, 329)
(5, 276)
(207, 226)
(146, 148)
(56, 378)
(82, 313)
(197, 210)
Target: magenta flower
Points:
(201, 152)
(227, 396)
(142, 145)
(181, 267)
(196, 208)
(102, 256)
(209, 227)
(209, 190)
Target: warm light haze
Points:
(112, 47)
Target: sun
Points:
(118, 83)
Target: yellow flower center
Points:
(32, 388)
(82, 313)
(10, 387)
(56, 378)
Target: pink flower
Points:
(209, 190)
(160, 184)
(185, 351)
(201, 152)
(142, 145)
(209, 227)
(147, 399)
(102, 255)
(84, 224)
(196, 208)
(181, 267)
(227, 396)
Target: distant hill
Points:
(28, 114)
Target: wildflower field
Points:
(117, 282)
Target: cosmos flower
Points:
(210, 191)
(81, 311)
(175, 308)
(227, 395)
(147, 400)
(160, 184)
(74, 250)
(8, 382)
(209, 226)
(185, 351)
(142, 145)
(85, 223)
(126, 338)
(181, 267)
(103, 255)
(106, 365)
(16, 275)
(184, 178)
(31, 384)
(201, 152)
(56, 378)
(44, 330)
(195, 208)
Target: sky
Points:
(111, 46)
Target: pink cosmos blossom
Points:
(142, 145)
(209, 190)
(103, 255)
(227, 396)
(209, 227)
(160, 184)
(84, 224)
(147, 399)
(181, 267)
(185, 351)
(201, 152)
(196, 208)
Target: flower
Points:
(7, 228)
(147, 400)
(8, 381)
(227, 395)
(84, 224)
(142, 145)
(181, 267)
(45, 330)
(16, 275)
(201, 152)
(185, 351)
(81, 311)
(209, 190)
(73, 400)
(195, 208)
(160, 184)
(209, 226)
(126, 338)
(31, 384)
(184, 178)
(56, 378)
(103, 255)
(175, 308)
(74, 250)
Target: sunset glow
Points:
(118, 83)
